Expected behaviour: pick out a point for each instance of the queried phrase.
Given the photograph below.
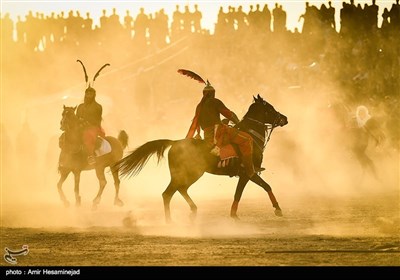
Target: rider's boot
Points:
(259, 169)
(91, 160)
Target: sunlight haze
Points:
(317, 105)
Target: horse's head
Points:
(68, 118)
(265, 113)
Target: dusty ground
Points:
(358, 231)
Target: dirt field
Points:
(361, 231)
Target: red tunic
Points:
(91, 114)
(207, 117)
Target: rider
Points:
(90, 114)
(365, 128)
(207, 117)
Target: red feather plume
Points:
(192, 75)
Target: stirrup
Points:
(259, 169)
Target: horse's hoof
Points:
(94, 207)
(118, 202)
(96, 200)
(278, 212)
(193, 216)
(235, 217)
(66, 204)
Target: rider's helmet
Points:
(90, 90)
(209, 90)
(90, 95)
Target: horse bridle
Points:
(63, 122)
(268, 128)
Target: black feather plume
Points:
(98, 72)
(192, 75)
(84, 70)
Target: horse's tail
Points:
(123, 138)
(133, 163)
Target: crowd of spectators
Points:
(246, 51)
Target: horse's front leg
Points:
(77, 179)
(259, 181)
(238, 195)
(278, 210)
(102, 183)
(64, 174)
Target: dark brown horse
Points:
(189, 159)
(73, 158)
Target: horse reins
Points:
(67, 127)
(267, 127)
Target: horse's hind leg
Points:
(117, 181)
(259, 181)
(167, 195)
(243, 180)
(102, 183)
(181, 186)
(63, 177)
(193, 207)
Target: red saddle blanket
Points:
(226, 154)
(223, 149)
(227, 151)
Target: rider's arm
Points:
(227, 113)
(195, 124)
(99, 114)
(79, 114)
(192, 128)
(234, 118)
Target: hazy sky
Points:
(209, 8)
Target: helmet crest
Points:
(95, 76)
(192, 75)
(207, 89)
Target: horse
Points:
(73, 158)
(189, 159)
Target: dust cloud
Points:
(307, 161)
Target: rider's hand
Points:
(83, 122)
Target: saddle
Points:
(102, 146)
(227, 154)
(225, 151)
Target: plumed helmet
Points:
(89, 88)
(208, 89)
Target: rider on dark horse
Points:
(217, 133)
(190, 158)
(90, 114)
